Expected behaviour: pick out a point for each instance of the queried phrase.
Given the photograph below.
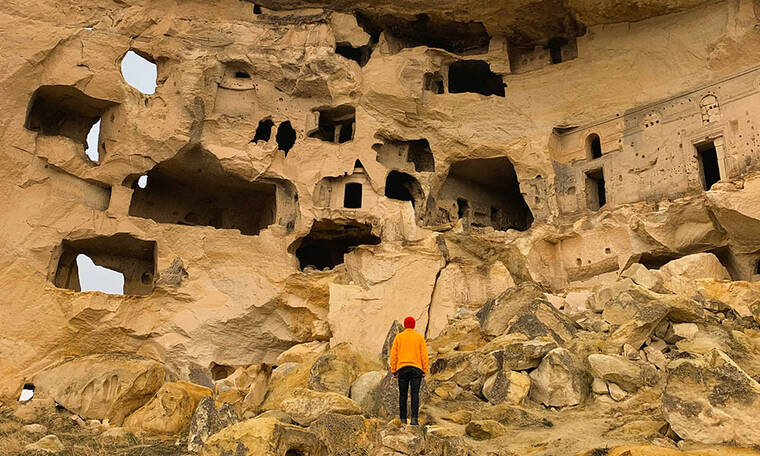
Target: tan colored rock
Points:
(170, 411)
(306, 405)
(35, 410)
(262, 436)
(117, 436)
(48, 444)
(207, 420)
(617, 370)
(346, 434)
(465, 286)
(679, 274)
(485, 429)
(559, 380)
(302, 352)
(107, 386)
(363, 389)
(511, 387)
(711, 400)
(34, 429)
(648, 278)
(358, 313)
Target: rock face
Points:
(556, 191)
(712, 400)
(108, 386)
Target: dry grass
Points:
(77, 440)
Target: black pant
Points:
(409, 375)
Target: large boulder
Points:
(265, 436)
(207, 421)
(485, 429)
(712, 400)
(506, 386)
(48, 444)
(346, 435)
(307, 405)
(560, 380)
(617, 369)
(383, 402)
(647, 278)
(696, 266)
(637, 330)
(302, 352)
(328, 373)
(363, 390)
(170, 410)
(517, 351)
(525, 309)
(104, 386)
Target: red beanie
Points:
(409, 322)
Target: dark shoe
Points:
(414, 422)
(403, 421)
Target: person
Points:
(409, 363)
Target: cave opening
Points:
(263, 130)
(434, 82)
(555, 46)
(221, 371)
(474, 76)
(487, 192)
(67, 111)
(463, 38)
(193, 189)
(286, 137)
(328, 241)
(335, 124)
(360, 54)
(403, 187)
(132, 258)
(405, 155)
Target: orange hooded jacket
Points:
(409, 349)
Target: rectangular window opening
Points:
(596, 195)
(709, 171)
(352, 198)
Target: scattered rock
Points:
(34, 429)
(618, 370)
(117, 436)
(559, 380)
(485, 429)
(364, 388)
(306, 405)
(328, 373)
(263, 436)
(507, 386)
(48, 444)
(208, 420)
